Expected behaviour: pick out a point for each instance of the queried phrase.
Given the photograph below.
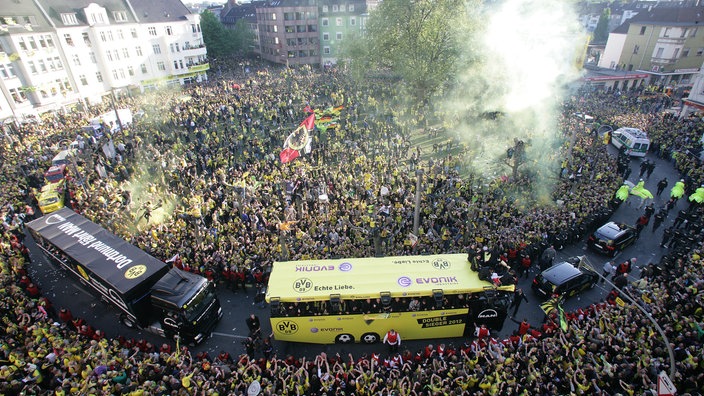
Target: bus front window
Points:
(196, 305)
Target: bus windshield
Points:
(200, 301)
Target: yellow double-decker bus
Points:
(361, 299)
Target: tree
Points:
(419, 41)
(515, 157)
(215, 35)
(601, 32)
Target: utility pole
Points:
(416, 213)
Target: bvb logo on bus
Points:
(302, 285)
(287, 327)
(441, 264)
(135, 271)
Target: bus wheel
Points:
(344, 339)
(370, 338)
(127, 321)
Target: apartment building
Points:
(57, 53)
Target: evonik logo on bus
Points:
(405, 281)
(314, 268)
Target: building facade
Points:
(340, 21)
(58, 53)
(288, 32)
(665, 43)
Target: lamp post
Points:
(416, 213)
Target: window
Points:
(84, 80)
(326, 36)
(42, 65)
(156, 48)
(23, 45)
(350, 8)
(636, 48)
(86, 39)
(338, 36)
(171, 47)
(700, 51)
(110, 35)
(335, 8)
(353, 21)
(667, 32)
(326, 50)
(325, 8)
(116, 54)
(17, 95)
(7, 71)
(276, 28)
(33, 43)
(642, 30)
(68, 39)
(130, 70)
(133, 32)
(693, 32)
(169, 31)
(152, 30)
(57, 62)
(122, 73)
(176, 65)
(677, 52)
(108, 54)
(160, 65)
(659, 52)
(125, 53)
(99, 76)
(685, 52)
(144, 68)
(76, 59)
(120, 34)
(338, 21)
(114, 74)
(120, 16)
(138, 50)
(69, 19)
(93, 59)
(103, 37)
(326, 22)
(273, 16)
(342, 8)
(180, 62)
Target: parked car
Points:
(611, 238)
(567, 279)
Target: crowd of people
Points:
(197, 181)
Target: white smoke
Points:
(527, 54)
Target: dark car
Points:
(612, 238)
(565, 279)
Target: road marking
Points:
(227, 335)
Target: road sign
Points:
(665, 385)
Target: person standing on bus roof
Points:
(393, 340)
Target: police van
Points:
(633, 141)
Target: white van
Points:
(634, 140)
(63, 157)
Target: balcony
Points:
(194, 67)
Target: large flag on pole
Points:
(298, 140)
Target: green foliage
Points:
(419, 41)
(601, 32)
(222, 42)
